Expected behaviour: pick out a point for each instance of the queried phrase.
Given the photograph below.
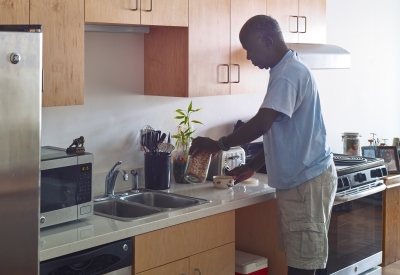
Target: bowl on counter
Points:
(223, 182)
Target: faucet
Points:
(135, 182)
(112, 177)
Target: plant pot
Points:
(179, 160)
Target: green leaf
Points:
(197, 110)
(196, 121)
(190, 107)
(179, 111)
(179, 117)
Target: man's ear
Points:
(268, 42)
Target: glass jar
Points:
(179, 161)
(197, 167)
(351, 144)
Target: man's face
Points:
(257, 51)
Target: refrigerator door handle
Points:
(42, 80)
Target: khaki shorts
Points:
(304, 214)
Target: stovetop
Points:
(347, 164)
(358, 174)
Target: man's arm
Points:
(247, 132)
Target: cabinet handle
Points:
(238, 73)
(42, 80)
(198, 271)
(136, 6)
(305, 24)
(151, 6)
(297, 24)
(227, 65)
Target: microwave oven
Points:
(66, 192)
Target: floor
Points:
(392, 269)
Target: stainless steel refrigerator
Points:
(20, 130)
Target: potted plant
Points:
(184, 137)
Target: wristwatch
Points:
(221, 144)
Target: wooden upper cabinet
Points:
(63, 49)
(209, 47)
(137, 12)
(165, 13)
(112, 11)
(245, 77)
(301, 21)
(14, 12)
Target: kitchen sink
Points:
(130, 206)
(122, 210)
(162, 200)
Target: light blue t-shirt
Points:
(295, 145)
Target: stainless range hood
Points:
(322, 56)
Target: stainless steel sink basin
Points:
(122, 210)
(163, 200)
(130, 206)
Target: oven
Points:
(355, 231)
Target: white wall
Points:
(363, 99)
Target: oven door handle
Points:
(361, 194)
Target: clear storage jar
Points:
(197, 167)
(351, 144)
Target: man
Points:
(299, 164)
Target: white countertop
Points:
(78, 235)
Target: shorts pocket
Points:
(313, 238)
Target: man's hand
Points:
(204, 144)
(241, 173)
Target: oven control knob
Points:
(360, 177)
(226, 169)
(42, 219)
(373, 174)
(378, 172)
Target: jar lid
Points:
(350, 134)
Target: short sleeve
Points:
(281, 97)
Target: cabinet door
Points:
(245, 77)
(314, 13)
(164, 13)
(160, 247)
(63, 49)
(180, 267)
(112, 11)
(220, 260)
(285, 12)
(14, 12)
(209, 47)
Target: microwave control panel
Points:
(85, 183)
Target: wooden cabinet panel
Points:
(209, 47)
(14, 12)
(165, 13)
(301, 21)
(315, 13)
(251, 79)
(63, 49)
(391, 221)
(220, 260)
(180, 241)
(137, 12)
(112, 11)
(180, 267)
(257, 233)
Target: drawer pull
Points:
(198, 271)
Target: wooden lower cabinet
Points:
(391, 221)
(179, 268)
(257, 233)
(220, 260)
(195, 240)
